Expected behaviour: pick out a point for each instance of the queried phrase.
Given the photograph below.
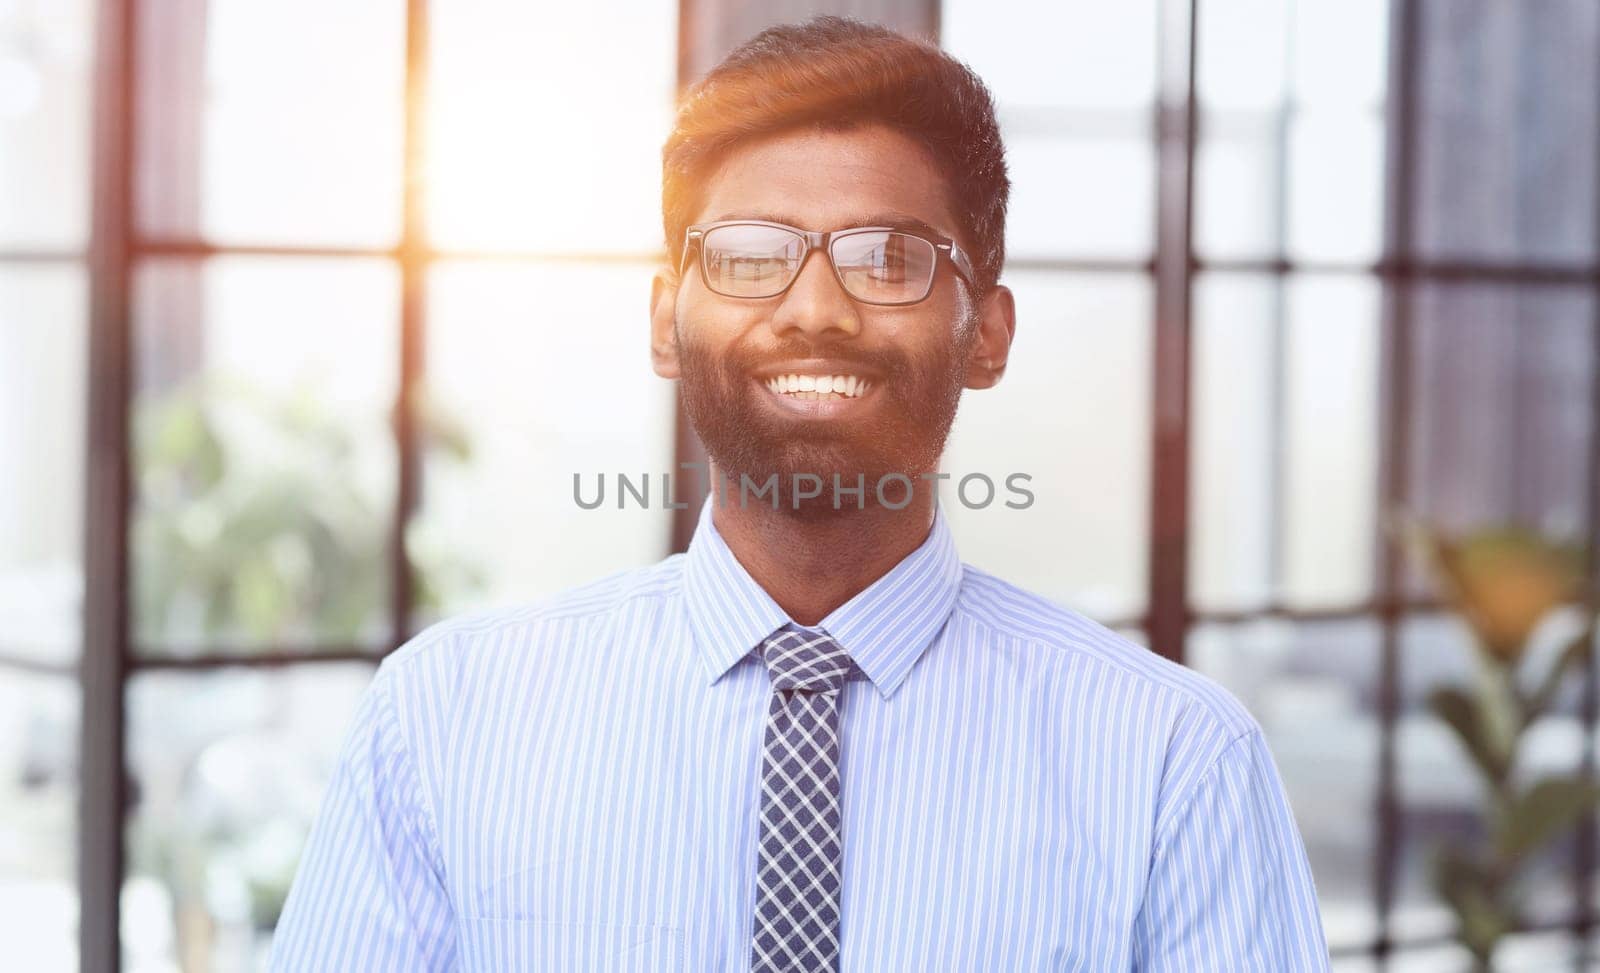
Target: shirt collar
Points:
(885, 627)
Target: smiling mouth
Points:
(820, 397)
(813, 388)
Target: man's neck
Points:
(811, 565)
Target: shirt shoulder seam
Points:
(1181, 807)
(1067, 646)
(391, 719)
(446, 632)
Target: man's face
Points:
(915, 359)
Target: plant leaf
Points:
(1465, 717)
(1469, 888)
(1549, 807)
(1576, 652)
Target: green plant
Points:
(261, 520)
(1504, 582)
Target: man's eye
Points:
(890, 269)
(753, 266)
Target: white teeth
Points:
(848, 386)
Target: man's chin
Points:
(809, 456)
(819, 486)
(824, 470)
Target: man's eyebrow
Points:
(902, 221)
(899, 221)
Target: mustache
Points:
(887, 364)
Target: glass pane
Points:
(1502, 415)
(46, 81)
(1285, 441)
(42, 395)
(1313, 687)
(39, 718)
(1242, 60)
(1518, 953)
(1073, 413)
(1290, 159)
(1074, 92)
(272, 122)
(1340, 53)
(1505, 135)
(1335, 191)
(1079, 196)
(1238, 208)
(264, 456)
(1441, 791)
(1255, 54)
(537, 373)
(1528, 952)
(229, 769)
(1448, 958)
(1329, 207)
(1073, 54)
(1331, 438)
(1235, 426)
(536, 139)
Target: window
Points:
(1361, 237)
(1344, 258)
(45, 95)
(370, 269)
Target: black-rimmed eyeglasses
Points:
(874, 264)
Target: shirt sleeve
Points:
(1230, 887)
(369, 893)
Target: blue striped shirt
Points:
(574, 785)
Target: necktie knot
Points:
(798, 658)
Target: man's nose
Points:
(815, 303)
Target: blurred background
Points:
(309, 313)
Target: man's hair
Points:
(835, 74)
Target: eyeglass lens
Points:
(875, 266)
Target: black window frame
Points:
(108, 661)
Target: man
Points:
(816, 740)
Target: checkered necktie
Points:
(797, 875)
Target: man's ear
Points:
(663, 312)
(997, 324)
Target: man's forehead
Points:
(822, 180)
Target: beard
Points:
(904, 431)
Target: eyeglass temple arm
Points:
(960, 260)
(689, 240)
